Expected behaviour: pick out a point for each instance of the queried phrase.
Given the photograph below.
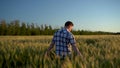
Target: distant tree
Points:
(50, 27)
(42, 27)
(17, 27)
(3, 27)
(11, 28)
(28, 30)
(23, 29)
(37, 30)
(33, 29)
(46, 30)
(8, 29)
(46, 27)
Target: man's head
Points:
(69, 25)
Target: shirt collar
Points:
(66, 29)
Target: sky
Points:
(94, 15)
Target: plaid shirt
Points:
(62, 39)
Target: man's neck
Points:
(67, 29)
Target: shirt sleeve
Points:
(72, 40)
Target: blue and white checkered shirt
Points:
(62, 39)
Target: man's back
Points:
(62, 39)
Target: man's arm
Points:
(73, 43)
(50, 47)
(76, 49)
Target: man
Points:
(62, 40)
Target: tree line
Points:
(21, 28)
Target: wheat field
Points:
(99, 51)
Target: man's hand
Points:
(77, 51)
(46, 54)
(48, 50)
(79, 54)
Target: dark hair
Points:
(68, 23)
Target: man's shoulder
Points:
(61, 30)
(64, 31)
(57, 32)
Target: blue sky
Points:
(95, 15)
